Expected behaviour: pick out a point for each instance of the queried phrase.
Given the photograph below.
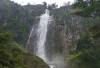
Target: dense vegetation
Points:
(12, 55)
(15, 24)
(75, 32)
(88, 47)
(17, 19)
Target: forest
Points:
(74, 33)
(15, 24)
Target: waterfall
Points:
(40, 48)
(29, 38)
(41, 35)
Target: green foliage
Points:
(5, 38)
(86, 54)
(87, 8)
(84, 43)
(15, 24)
(18, 30)
(95, 31)
(12, 55)
(33, 61)
(18, 20)
(87, 57)
(88, 48)
(6, 54)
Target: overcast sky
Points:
(59, 2)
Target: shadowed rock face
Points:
(33, 37)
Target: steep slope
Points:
(12, 55)
(18, 20)
(15, 24)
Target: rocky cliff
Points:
(65, 30)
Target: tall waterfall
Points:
(41, 35)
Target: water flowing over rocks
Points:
(53, 39)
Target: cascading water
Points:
(41, 35)
(29, 38)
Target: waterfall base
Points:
(51, 66)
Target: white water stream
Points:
(29, 38)
(41, 35)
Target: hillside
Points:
(18, 20)
(12, 55)
(15, 25)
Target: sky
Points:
(59, 2)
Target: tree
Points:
(84, 43)
(45, 4)
(52, 6)
(87, 8)
(5, 38)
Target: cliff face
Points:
(64, 30)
